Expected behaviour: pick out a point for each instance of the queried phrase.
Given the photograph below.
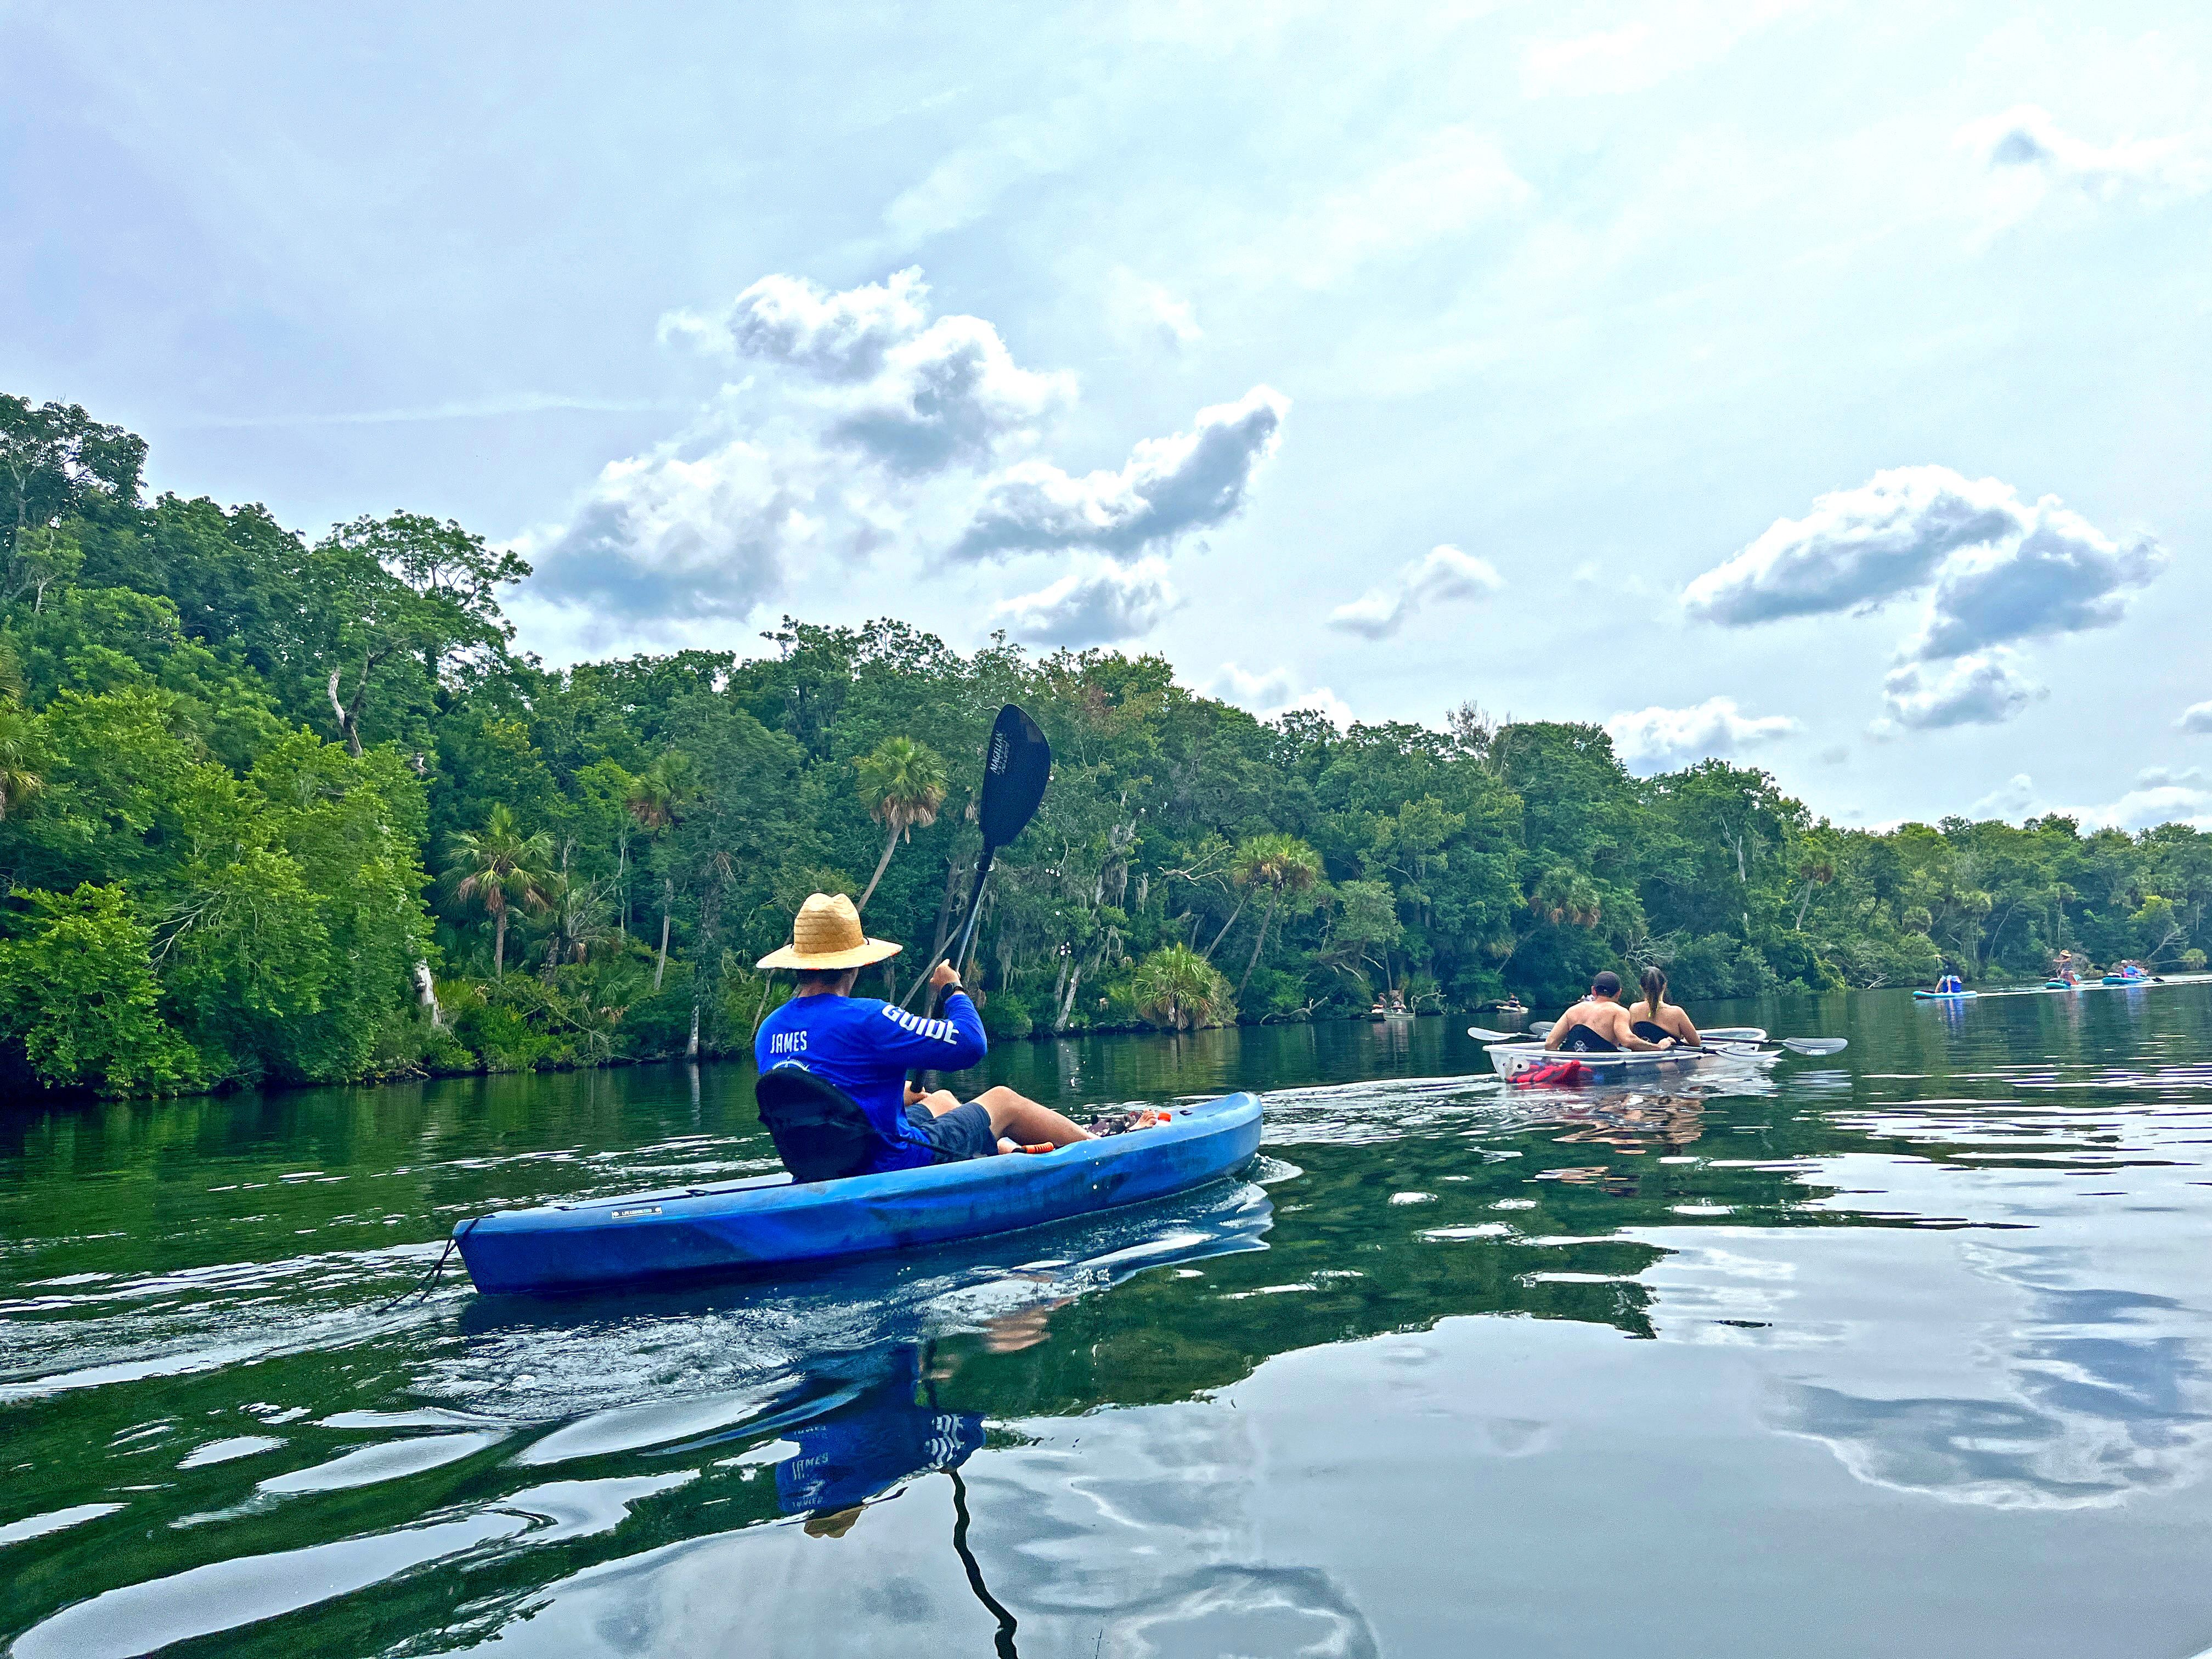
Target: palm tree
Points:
(501, 870)
(580, 922)
(656, 801)
(19, 754)
(1177, 988)
(1281, 864)
(903, 785)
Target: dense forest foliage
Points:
(280, 811)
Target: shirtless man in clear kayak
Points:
(1598, 1024)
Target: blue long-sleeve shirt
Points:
(866, 1048)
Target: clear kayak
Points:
(761, 1225)
(1514, 1060)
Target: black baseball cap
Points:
(1607, 984)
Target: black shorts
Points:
(962, 1134)
(1583, 1040)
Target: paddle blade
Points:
(1016, 768)
(1816, 1045)
(1484, 1034)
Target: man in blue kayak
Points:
(866, 1048)
(1598, 1024)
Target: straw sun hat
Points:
(826, 934)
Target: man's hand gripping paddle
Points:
(1016, 768)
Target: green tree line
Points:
(291, 810)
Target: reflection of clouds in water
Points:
(2108, 1399)
(1148, 1532)
(1292, 1612)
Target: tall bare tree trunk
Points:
(890, 844)
(428, 988)
(1258, 944)
(692, 1049)
(668, 904)
(1206, 955)
(349, 718)
(499, 945)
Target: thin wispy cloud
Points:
(2027, 151)
(466, 409)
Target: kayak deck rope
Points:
(429, 1281)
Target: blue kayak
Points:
(1945, 996)
(772, 1222)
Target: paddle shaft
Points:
(963, 941)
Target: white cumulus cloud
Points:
(1979, 690)
(1856, 548)
(773, 475)
(2196, 718)
(1444, 574)
(2058, 575)
(1657, 739)
(1169, 487)
(2025, 148)
(1997, 569)
(913, 391)
(667, 535)
(1102, 606)
(1272, 693)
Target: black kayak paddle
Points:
(1016, 768)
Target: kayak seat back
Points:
(820, 1132)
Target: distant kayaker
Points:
(1598, 1024)
(2064, 971)
(1950, 985)
(866, 1047)
(1654, 1016)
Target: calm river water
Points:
(1906, 1352)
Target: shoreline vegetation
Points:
(281, 812)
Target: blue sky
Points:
(1821, 386)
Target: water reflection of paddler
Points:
(864, 1047)
(1598, 1024)
(863, 1449)
(1626, 1122)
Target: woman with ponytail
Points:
(1654, 1016)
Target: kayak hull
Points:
(761, 1225)
(1945, 996)
(1512, 1059)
